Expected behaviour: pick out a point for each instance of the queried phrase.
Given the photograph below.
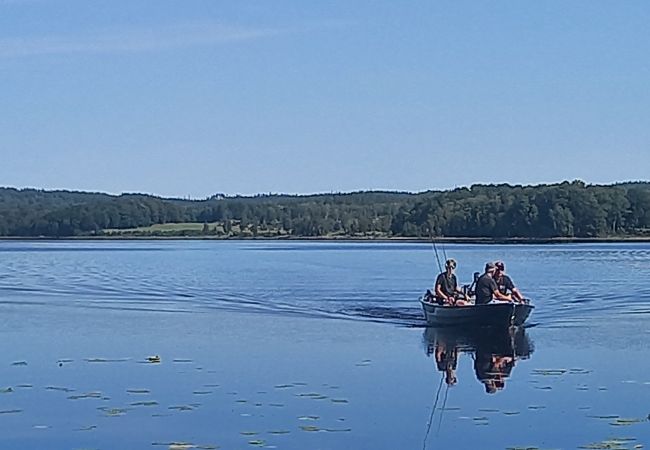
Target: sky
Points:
(195, 97)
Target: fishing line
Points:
(433, 411)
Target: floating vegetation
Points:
(309, 428)
(549, 372)
(308, 418)
(19, 363)
(277, 405)
(11, 411)
(489, 410)
(337, 430)
(201, 392)
(182, 360)
(94, 394)
(241, 400)
(211, 385)
(145, 403)
(544, 388)
(511, 413)
(257, 442)
(57, 388)
(249, 433)
(535, 407)
(88, 428)
(105, 360)
(299, 383)
(284, 386)
(606, 417)
(138, 391)
(182, 407)
(579, 371)
(114, 412)
(279, 432)
(611, 444)
(24, 386)
(339, 400)
(625, 422)
(312, 395)
(176, 445)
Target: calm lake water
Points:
(315, 346)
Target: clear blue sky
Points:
(189, 98)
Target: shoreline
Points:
(358, 239)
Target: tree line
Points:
(567, 210)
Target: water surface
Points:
(315, 345)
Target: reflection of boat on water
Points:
(494, 314)
(494, 351)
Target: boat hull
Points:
(491, 315)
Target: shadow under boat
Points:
(494, 351)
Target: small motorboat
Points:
(491, 315)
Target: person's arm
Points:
(497, 293)
(499, 296)
(515, 292)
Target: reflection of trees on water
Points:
(494, 352)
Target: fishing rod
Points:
(433, 411)
(435, 249)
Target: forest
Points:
(562, 210)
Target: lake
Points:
(315, 345)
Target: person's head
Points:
(450, 264)
(500, 266)
(490, 387)
(490, 268)
(450, 377)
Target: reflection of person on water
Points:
(504, 282)
(487, 289)
(446, 361)
(492, 370)
(446, 288)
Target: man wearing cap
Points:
(504, 282)
(487, 289)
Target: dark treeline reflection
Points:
(492, 211)
(494, 353)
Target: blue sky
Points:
(189, 98)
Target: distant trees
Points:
(569, 209)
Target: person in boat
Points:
(504, 282)
(446, 289)
(487, 289)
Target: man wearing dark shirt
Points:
(504, 282)
(446, 284)
(487, 289)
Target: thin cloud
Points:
(134, 40)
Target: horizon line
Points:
(315, 194)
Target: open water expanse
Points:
(315, 345)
